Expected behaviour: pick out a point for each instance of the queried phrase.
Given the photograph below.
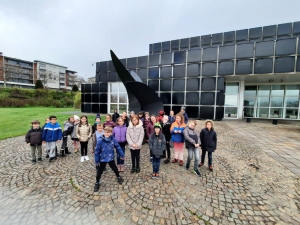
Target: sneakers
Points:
(120, 180)
(33, 161)
(201, 164)
(96, 187)
(52, 159)
(210, 168)
(86, 157)
(82, 159)
(153, 175)
(132, 170)
(187, 166)
(157, 175)
(47, 156)
(180, 163)
(174, 160)
(137, 170)
(39, 159)
(197, 172)
(167, 161)
(151, 159)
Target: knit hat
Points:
(98, 116)
(157, 125)
(76, 117)
(161, 112)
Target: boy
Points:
(208, 138)
(171, 117)
(166, 131)
(95, 136)
(104, 154)
(51, 134)
(33, 139)
(157, 145)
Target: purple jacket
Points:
(120, 133)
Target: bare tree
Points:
(11, 71)
(79, 81)
(44, 76)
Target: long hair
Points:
(87, 122)
(136, 117)
(181, 117)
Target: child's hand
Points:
(43, 142)
(58, 140)
(28, 144)
(179, 131)
(175, 131)
(122, 158)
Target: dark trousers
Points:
(209, 157)
(64, 142)
(167, 150)
(119, 160)
(101, 168)
(83, 147)
(135, 158)
(155, 164)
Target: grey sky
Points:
(77, 33)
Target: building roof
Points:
(49, 63)
(22, 60)
(72, 71)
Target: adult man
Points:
(186, 118)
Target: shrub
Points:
(77, 100)
(39, 85)
(75, 88)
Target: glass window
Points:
(284, 65)
(292, 89)
(292, 101)
(153, 60)
(263, 101)
(113, 107)
(232, 88)
(193, 84)
(179, 57)
(166, 58)
(193, 70)
(165, 85)
(209, 69)
(153, 73)
(291, 113)
(177, 98)
(114, 87)
(276, 113)
(122, 98)
(263, 112)
(249, 101)
(277, 90)
(276, 101)
(165, 97)
(263, 66)
(178, 85)
(231, 100)
(179, 71)
(122, 108)
(231, 112)
(114, 98)
(264, 89)
(248, 112)
(166, 72)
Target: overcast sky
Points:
(76, 33)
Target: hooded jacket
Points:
(52, 132)
(34, 136)
(135, 135)
(109, 124)
(105, 149)
(165, 127)
(119, 132)
(208, 138)
(191, 137)
(177, 137)
(157, 144)
(68, 128)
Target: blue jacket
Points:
(186, 118)
(177, 137)
(52, 132)
(105, 149)
(171, 119)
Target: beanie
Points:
(161, 112)
(157, 125)
(76, 117)
(98, 116)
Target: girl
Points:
(97, 120)
(109, 122)
(68, 128)
(141, 116)
(125, 118)
(119, 132)
(145, 124)
(208, 139)
(192, 142)
(73, 134)
(134, 137)
(84, 133)
(132, 113)
(150, 130)
(177, 129)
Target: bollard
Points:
(274, 122)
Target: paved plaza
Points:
(256, 180)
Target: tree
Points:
(14, 71)
(75, 88)
(39, 85)
(44, 76)
(77, 100)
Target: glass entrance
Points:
(231, 100)
(118, 98)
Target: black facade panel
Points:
(283, 29)
(150, 49)
(177, 98)
(166, 98)
(157, 47)
(178, 85)
(166, 46)
(166, 72)
(88, 98)
(284, 65)
(220, 84)
(195, 42)
(103, 87)
(220, 98)
(209, 69)
(285, 47)
(264, 49)
(263, 66)
(226, 52)
(103, 108)
(82, 97)
(142, 61)
(226, 68)
(208, 84)
(103, 66)
(184, 43)
(194, 55)
(166, 58)
(153, 84)
(112, 76)
(97, 78)
(165, 85)
(193, 112)
(88, 108)
(192, 84)
(103, 77)
(298, 65)
(192, 98)
(244, 51)
(82, 88)
(179, 71)
(206, 40)
(131, 63)
(217, 38)
(153, 73)
(103, 98)
(219, 113)
(95, 108)
(269, 31)
(142, 73)
(167, 109)
(87, 88)
(207, 113)
(229, 37)
(209, 54)
(82, 106)
(153, 60)
(179, 57)
(255, 33)
(241, 35)
(296, 29)
(243, 67)
(175, 45)
(207, 98)
(95, 87)
(111, 66)
(193, 70)
(97, 67)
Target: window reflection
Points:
(264, 90)
(232, 88)
(248, 101)
(276, 113)
(250, 90)
(114, 98)
(291, 113)
(263, 112)
(231, 100)
(277, 102)
(122, 98)
(231, 112)
(114, 87)
(291, 101)
(248, 112)
(263, 101)
(277, 90)
(292, 90)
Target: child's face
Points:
(47, 120)
(120, 122)
(208, 125)
(99, 129)
(77, 121)
(135, 121)
(140, 115)
(107, 119)
(98, 120)
(178, 119)
(124, 114)
(153, 119)
(157, 130)
(192, 126)
(72, 120)
(165, 119)
(53, 120)
(83, 120)
(35, 125)
(171, 113)
(107, 134)
(147, 116)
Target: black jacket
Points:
(208, 140)
(166, 130)
(157, 144)
(34, 136)
(115, 116)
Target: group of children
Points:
(161, 133)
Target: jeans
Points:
(50, 147)
(38, 148)
(135, 157)
(195, 151)
(101, 168)
(119, 160)
(155, 164)
(209, 157)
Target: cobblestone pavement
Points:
(250, 184)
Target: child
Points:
(84, 133)
(171, 117)
(34, 139)
(51, 134)
(150, 130)
(145, 124)
(134, 137)
(115, 116)
(157, 144)
(109, 122)
(46, 121)
(104, 154)
(68, 128)
(160, 116)
(192, 142)
(141, 116)
(185, 116)
(125, 118)
(73, 134)
(132, 113)
(97, 120)
(208, 139)
(119, 133)
(177, 129)
(95, 136)
(166, 131)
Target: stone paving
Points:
(255, 181)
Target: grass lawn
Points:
(17, 121)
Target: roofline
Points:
(50, 63)
(72, 71)
(18, 59)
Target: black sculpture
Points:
(140, 96)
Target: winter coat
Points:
(126, 121)
(146, 122)
(208, 139)
(157, 144)
(177, 137)
(186, 118)
(94, 140)
(52, 132)
(191, 137)
(120, 133)
(135, 135)
(73, 134)
(149, 129)
(94, 127)
(115, 116)
(171, 119)
(68, 128)
(34, 137)
(165, 127)
(109, 124)
(84, 133)
(105, 149)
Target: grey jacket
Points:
(73, 134)
(191, 137)
(157, 144)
